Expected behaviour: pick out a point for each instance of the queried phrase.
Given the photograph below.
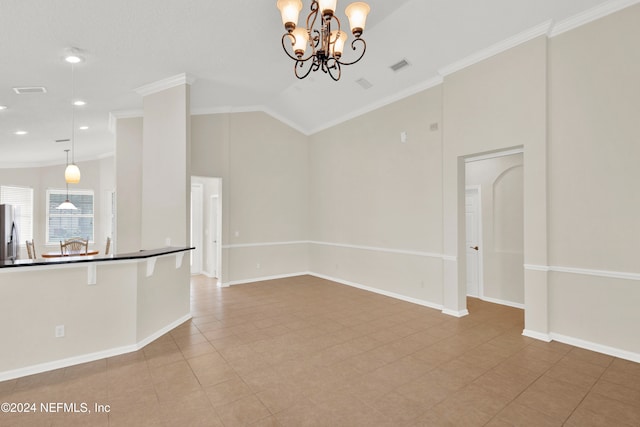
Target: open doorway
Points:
(494, 211)
(206, 226)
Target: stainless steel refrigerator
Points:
(9, 240)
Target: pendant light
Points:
(67, 204)
(72, 172)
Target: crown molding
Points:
(164, 84)
(250, 109)
(121, 114)
(590, 15)
(511, 42)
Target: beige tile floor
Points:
(304, 351)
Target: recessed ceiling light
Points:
(3, 107)
(83, 127)
(73, 56)
(79, 103)
(21, 132)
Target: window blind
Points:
(64, 224)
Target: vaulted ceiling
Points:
(234, 52)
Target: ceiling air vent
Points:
(29, 89)
(400, 65)
(364, 83)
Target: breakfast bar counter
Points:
(64, 311)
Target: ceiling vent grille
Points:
(29, 89)
(364, 83)
(400, 65)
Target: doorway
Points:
(494, 216)
(206, 226)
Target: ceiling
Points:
(233, 51)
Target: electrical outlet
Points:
(59, 331)
(258, 265)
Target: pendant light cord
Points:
(73, 117)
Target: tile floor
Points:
(304, 351)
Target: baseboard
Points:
(536, 335)
(600, 348)
(90, 357)
(154, 336)
(454, 313)
(503, 302)
(378, 291)
(261, 279)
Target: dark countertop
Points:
(143, 254)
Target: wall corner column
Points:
(166, 174)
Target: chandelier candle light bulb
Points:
(322, 34)
(357, 13)
(290, 10)
(327, 7)
(338, 39)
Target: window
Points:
(63, 224)
(22, 199)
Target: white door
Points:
(472, 215)
(196, 228)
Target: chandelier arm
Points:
(299, 64)
(313, 15)
(364, 49)
(335, 66)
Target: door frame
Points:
(197, 227)
(215, 248)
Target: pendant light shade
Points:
(67, 204)
(72, 174)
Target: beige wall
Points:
(263, 165)
(128, 185)
(494, 105)
(166, 168)
(375, 202)
(594, 147)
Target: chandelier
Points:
(323, 34)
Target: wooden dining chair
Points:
(76, 245)
(31, 249)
